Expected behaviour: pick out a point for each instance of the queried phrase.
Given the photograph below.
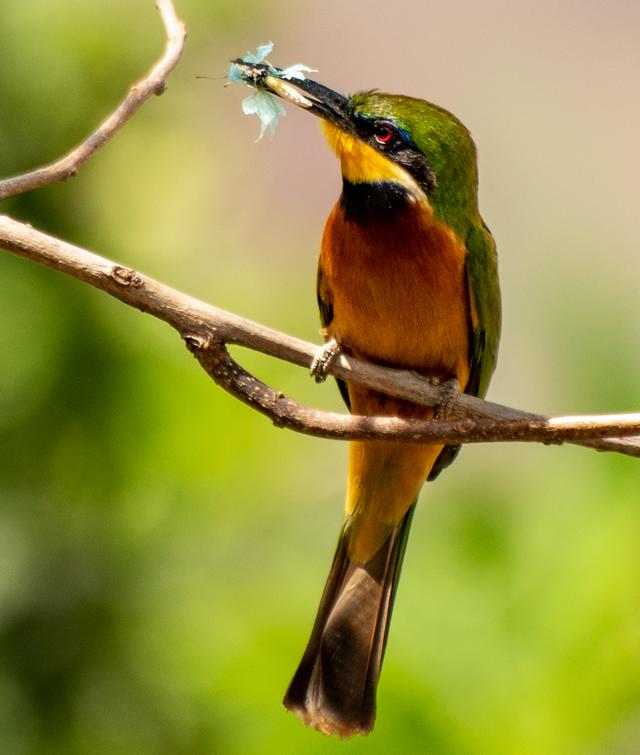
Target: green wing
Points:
(484, 297)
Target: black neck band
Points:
(364, 202)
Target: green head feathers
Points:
(430, 143)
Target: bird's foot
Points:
(324, 359)
(449, 392)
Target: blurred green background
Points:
(162, 547)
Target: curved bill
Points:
(302, 92)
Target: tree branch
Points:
(153, 83)
(206, 329)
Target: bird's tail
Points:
(334, 688)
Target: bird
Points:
(408, 278)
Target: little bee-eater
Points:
(407, 277)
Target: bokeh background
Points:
(163, 548)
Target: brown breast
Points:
(398, 290)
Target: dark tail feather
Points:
(334, 688)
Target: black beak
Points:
(305, 93)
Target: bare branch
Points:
(207, 328)
(284, 412)
(153, 83)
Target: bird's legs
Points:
(324, 359)
(331, 350)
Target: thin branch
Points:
(284, 412)
(153, 83)
(207, 328)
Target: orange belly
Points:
(399, 296)
(398, 291)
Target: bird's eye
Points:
(383, 133)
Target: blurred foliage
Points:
(162, 548)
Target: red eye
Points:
(383, 134)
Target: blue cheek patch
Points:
(406, 137)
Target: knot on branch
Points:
(125, 276)
(210, 352)
(196, 342)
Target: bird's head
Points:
(382, 138)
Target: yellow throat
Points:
(361, 163)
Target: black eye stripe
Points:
(367, 128)
(382, 133)
(396, 143)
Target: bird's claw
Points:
(449, 392)
(324, 359)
